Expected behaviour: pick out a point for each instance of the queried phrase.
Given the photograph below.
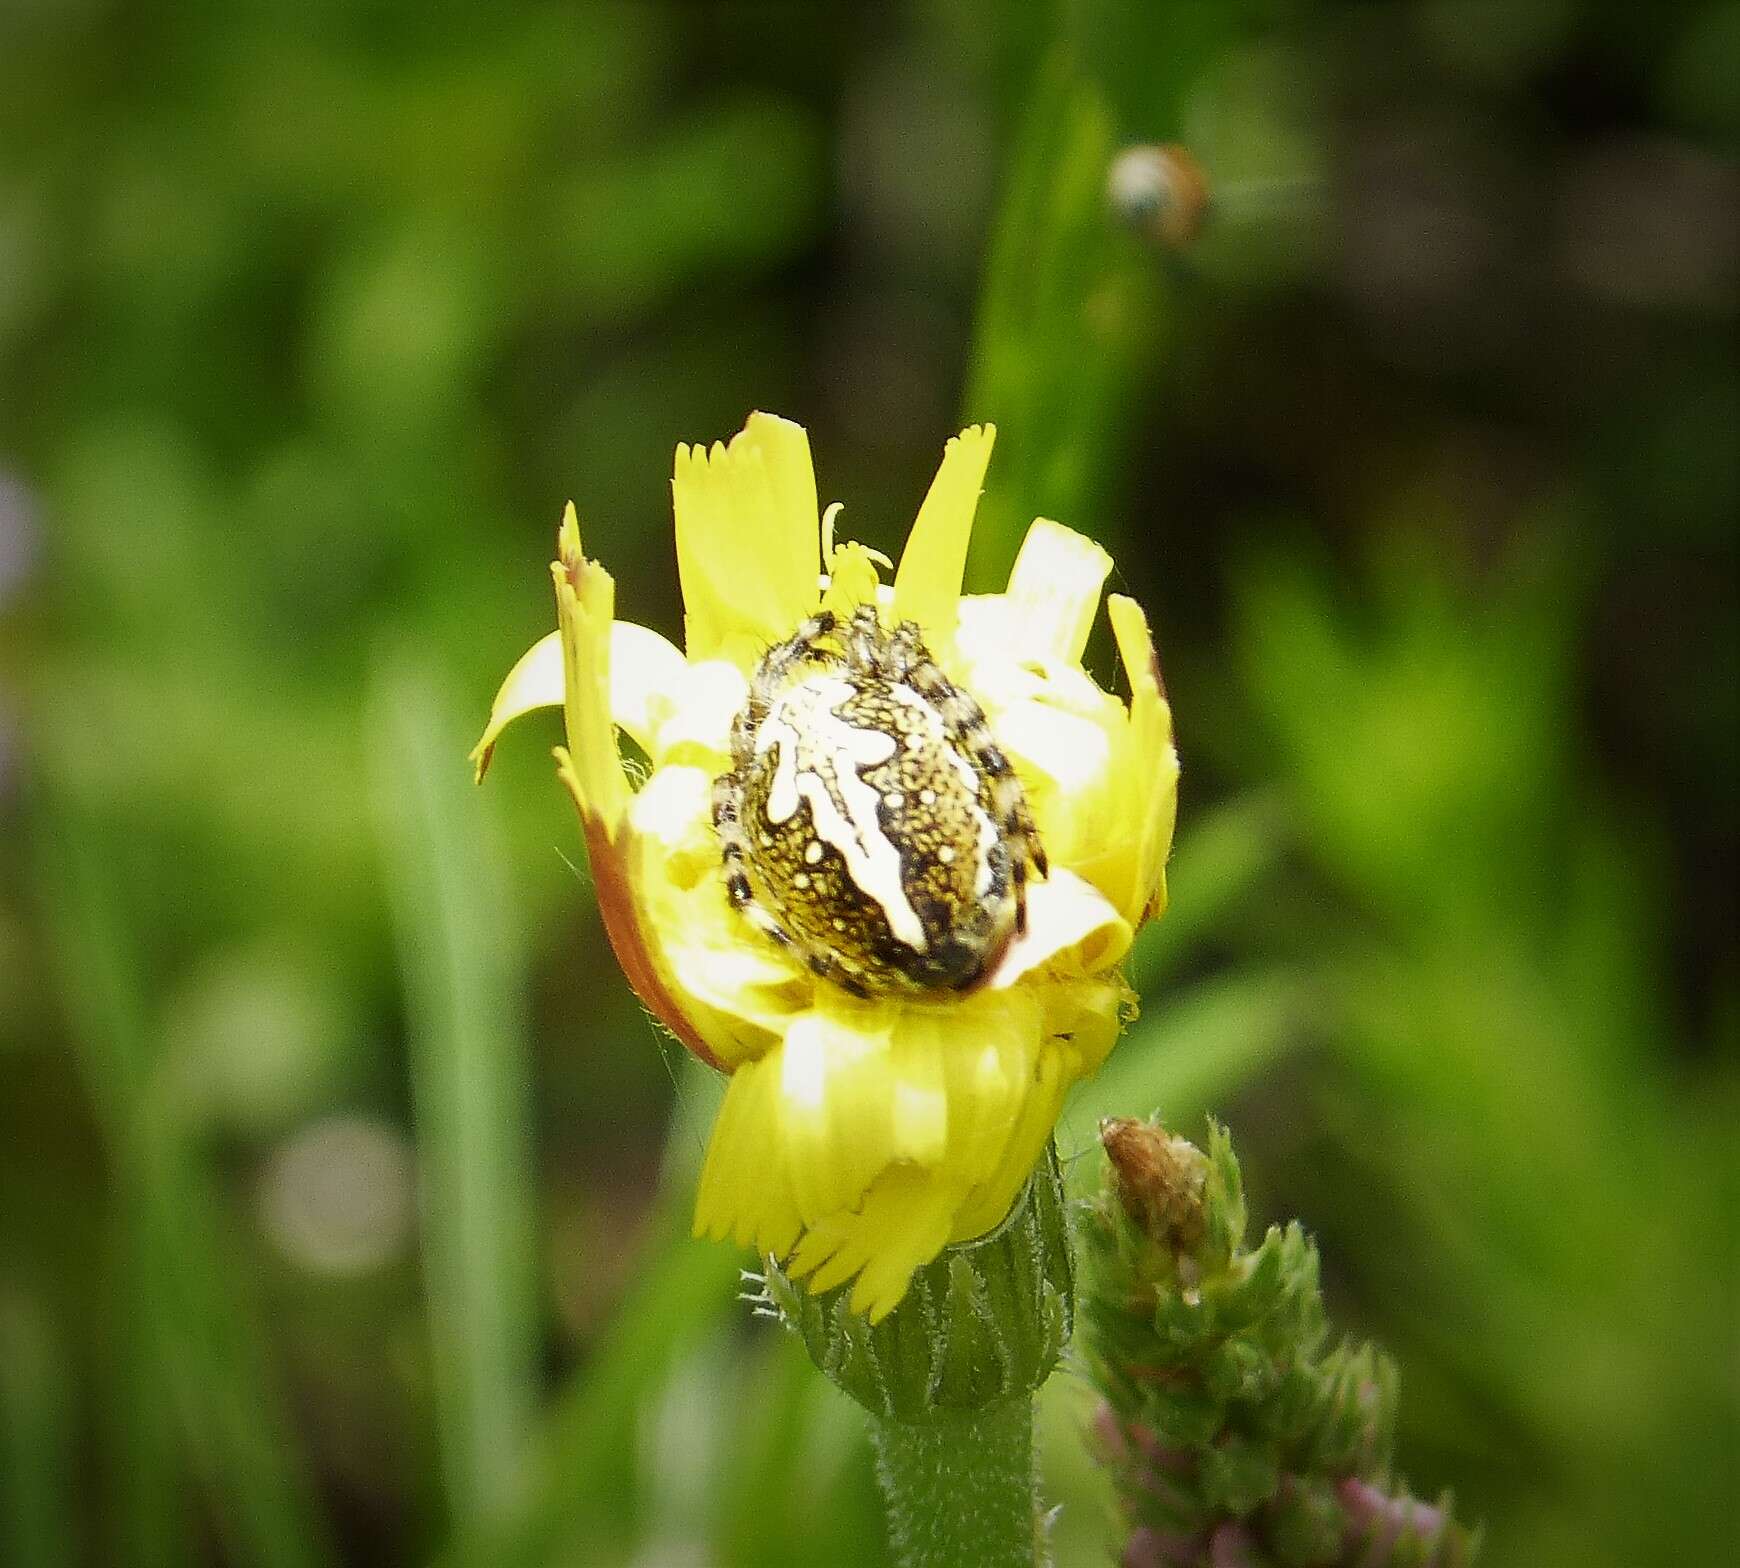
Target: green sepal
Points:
(981, 1324)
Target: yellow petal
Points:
(614, 852)
(1068, 763)
(748, 539)
(1066, 738)
(585, 602)
(535, 682)
(591, 771)
(919, 1115)
(988, 1050)
(1070, 926)
(835, 1116)
(902, 1224)
(961, 1076)
(871, 1145)
(1035, 1117)
(744, 989)
(1084, 1017)
(1092, 780)
(927, 586)
(857, 1141)
(1054, 590)
(743, 1193)
(1152, 768)
(697, 726)
(647, 679)
(646, 674)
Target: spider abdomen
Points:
(861, 823)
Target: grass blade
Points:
(583, 1465)
(1067, 323)
(469, 1078)
(180, 1289)
(36, 1442)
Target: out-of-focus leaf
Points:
(1068, 320)
(1548, 1202)
(730, 190)
(470, 1081)
(1069, 1469)
(181, 1284)
(582, 1470)
(1426, 731)
(793, 1481)
(1220, 860)
(1193, 1054)
(755, 1485)
(38, 1514)
(152, 1521)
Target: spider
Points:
(869, 821)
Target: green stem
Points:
(961, 1493)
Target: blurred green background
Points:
(343, 1185)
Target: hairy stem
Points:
(960, 1494)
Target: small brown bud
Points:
(1159, 1178)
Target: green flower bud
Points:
(982, 1324)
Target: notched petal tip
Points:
(568, 551)
(927, 585)
(585, 614)
(537, 679)
(748, 537)
(1154, 756)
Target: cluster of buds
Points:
(1237, 1434)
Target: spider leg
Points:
(828, 967)
(733, 849)
(767, 925)
(918, 670)
(1014, 818)
(1030, 837)
(865, 644)
(906, 654)
(967, 719)
(734, 853)
(802, 645)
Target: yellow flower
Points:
(891, 1092)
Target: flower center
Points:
(873, 836)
